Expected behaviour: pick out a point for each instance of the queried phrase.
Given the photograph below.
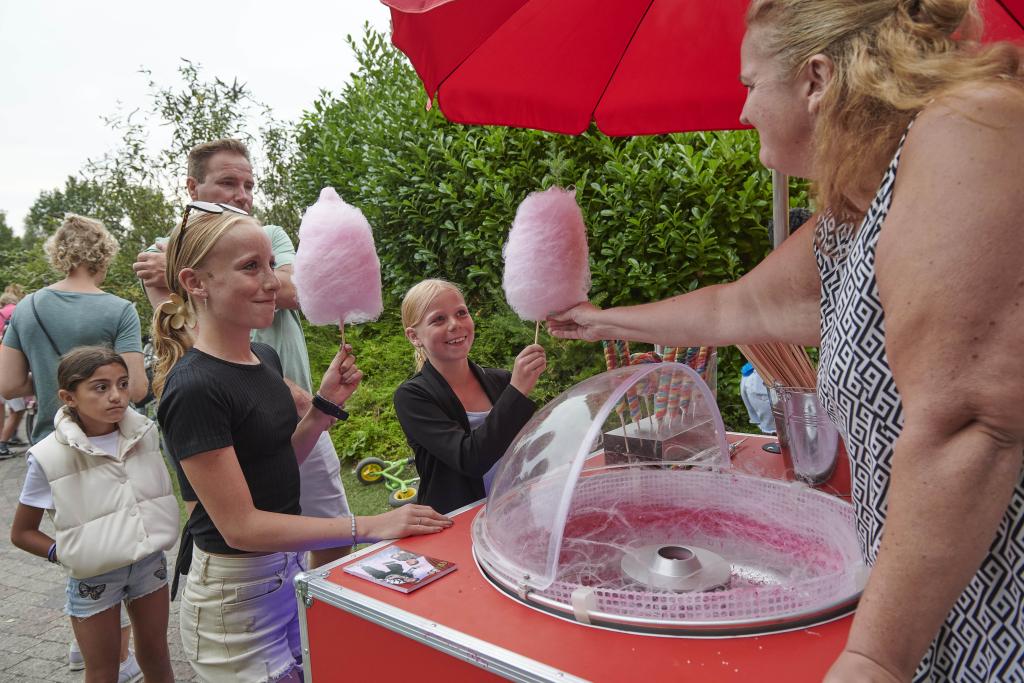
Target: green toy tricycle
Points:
(375, 471)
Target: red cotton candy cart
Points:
(556, 577)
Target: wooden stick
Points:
(787, 364)
(611, 360)
(536, 332)
(625, 436)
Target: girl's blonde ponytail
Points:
(169, 342)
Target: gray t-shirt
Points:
(71, 319)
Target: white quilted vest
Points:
(110, 511)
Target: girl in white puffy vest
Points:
(102, 478)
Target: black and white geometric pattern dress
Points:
(982, 639)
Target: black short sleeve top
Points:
(209, 404)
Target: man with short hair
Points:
(220, 171)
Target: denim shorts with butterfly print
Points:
(88, 597)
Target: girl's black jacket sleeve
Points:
(452, 459)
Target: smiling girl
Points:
(458, 417)
(230, 421)
(102, 478)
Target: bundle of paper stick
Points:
(787, 364)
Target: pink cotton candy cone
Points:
(547, 266)
(337, 272)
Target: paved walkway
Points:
(34, 631)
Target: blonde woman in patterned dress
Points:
(911, 283)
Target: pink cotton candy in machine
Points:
(615, 506)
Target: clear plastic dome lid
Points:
(657, 415)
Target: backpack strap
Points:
(53, 344)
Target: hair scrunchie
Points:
(180, 312)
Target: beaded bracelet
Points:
(353, 531)
(51, 554)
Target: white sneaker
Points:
(75, 660)
(129, 672)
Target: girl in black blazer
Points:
(459, 418)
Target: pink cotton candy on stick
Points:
(547, 266)
(337, 272)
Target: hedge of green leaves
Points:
(386, 359)
(665, 214)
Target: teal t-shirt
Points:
(285, 334)
(71, 319)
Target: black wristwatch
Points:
(329, 408)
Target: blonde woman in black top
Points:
(228, 418)
(458, 417)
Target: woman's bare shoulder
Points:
(975, 132)
(994, 104)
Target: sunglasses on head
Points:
(205, 207)
(209, 207)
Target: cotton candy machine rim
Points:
(665, 549)
(768, 599)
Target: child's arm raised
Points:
(339, 382)
(472, 453)
(529, 365)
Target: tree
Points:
(196, 111)
(7, 236)
(18, 265)
(138, 192)
(665, 214)
(133, 214)
(15, 264)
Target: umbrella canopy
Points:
(635, 67)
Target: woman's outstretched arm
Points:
(776, 301)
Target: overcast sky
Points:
(65, 64)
